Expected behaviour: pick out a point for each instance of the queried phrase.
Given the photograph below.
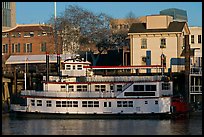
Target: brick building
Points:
(32, 39)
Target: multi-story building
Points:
(8, 15)
(195, 77)
(32, 39)
(160, 37)
(177, 14)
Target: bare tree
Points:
(79, 27)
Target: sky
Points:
(41, 12)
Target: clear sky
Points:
(39, 12)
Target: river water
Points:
(16, 126)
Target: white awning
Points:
(22, 59)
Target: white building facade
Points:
(160, 35)
(195, 77)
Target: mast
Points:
(55, 28)
(25, 74)
(56, 47)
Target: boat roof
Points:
(41, 58)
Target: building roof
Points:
(141, 28)
(30, 27)
(22, 59)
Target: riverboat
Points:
(78, 92)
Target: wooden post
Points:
(187, 67)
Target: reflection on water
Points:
(12, 126)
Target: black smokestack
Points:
(47, 67)
(58, 64)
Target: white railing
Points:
(196, 89)
(196, 70)
(123, 78)
(67, 94)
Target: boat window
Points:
(150, 87)
(90, 103)
(32, 102)
(139, 94)
(39, 102)
(100, 87)
(165, 86)
(124, 103)
(156, 101)
(138, 88)
(69, 103)
(146, 102)
(84, 103)
(73, 67)
(81, 87)
(75, 103)
(63, 103)
(119, 103)
(49, 103)
(130, 103)
(70, 88)
(79, 67)
(58, 103)
(96, 103)
(137, 108)
(109, 104)
(68, 67)
(105, 104)
(119, 87)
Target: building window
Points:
(43, 47)
(163, 60)
(19, 34)
(5, 35)
(5, 48)
(28, 47)
(199, 39)
(31, 34)
(18, 48)
(143, 43)
(163, 43)
(15, 47)
(192, 39)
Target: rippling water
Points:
(14, 126)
